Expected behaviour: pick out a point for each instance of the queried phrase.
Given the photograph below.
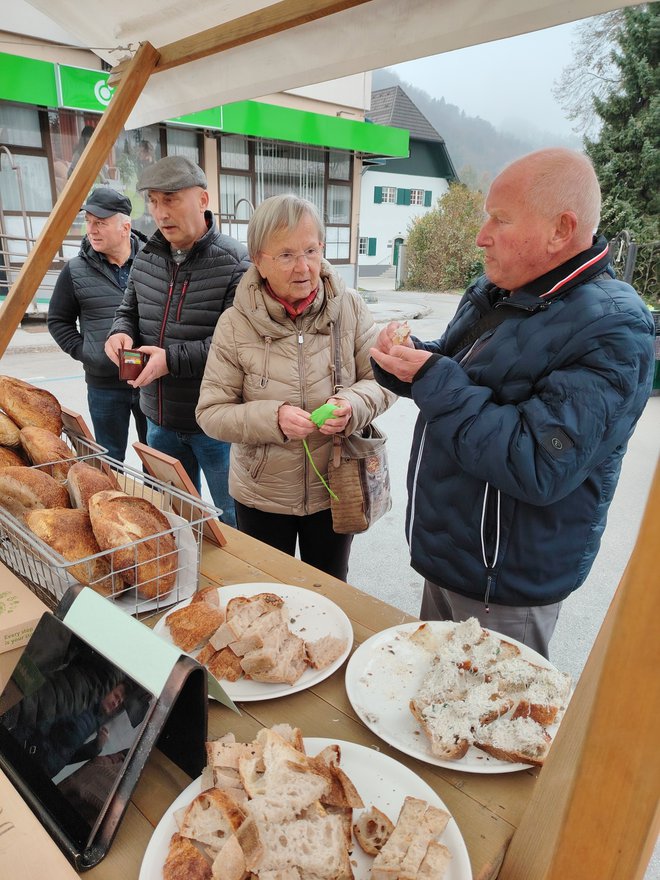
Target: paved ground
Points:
(380, 561)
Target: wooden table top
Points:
(487, 808)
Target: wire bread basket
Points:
(142, 576)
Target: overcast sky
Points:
(503, 80)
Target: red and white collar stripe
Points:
(576, 272)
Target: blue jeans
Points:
(110, 409)
(197, 453)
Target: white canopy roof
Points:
(367, 36)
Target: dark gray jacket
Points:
(82, 308)
(176, 307)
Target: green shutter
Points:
(401, 196)
(378, 194)
(427, 198)
(371, 250)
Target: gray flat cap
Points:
(171, 174)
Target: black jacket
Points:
(87, 294)
(176, 307)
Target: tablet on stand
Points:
(93, 692)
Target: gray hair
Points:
(276, 213)
(564, 180)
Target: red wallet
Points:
(131, 363)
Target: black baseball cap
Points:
(105, 201)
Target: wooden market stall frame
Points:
(594, 811)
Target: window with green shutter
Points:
(378, 194)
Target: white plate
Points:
(311, 616)
(385, 673)
(380, 780)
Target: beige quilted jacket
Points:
(260, 358)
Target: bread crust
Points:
(10, 433)
(11, 458)
(372, 830)
(24, 488)
(185, 862)
(42, 446)
(83, 481)
(150, 559)
(69, 533)
(26, 404)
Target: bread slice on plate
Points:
(372, 830)
(520, 740)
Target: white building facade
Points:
(396, 192)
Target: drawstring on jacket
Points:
(489, 565)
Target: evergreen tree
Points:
(626, 154)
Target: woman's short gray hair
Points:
(276, 213)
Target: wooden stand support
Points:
(594, 811)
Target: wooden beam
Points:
(271, 20)
(594, 811)
(75, 191)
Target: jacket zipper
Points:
(490, 564)
(161, 337)
(183, 294)
(263, 381)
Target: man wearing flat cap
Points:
(82, 307)
(181, 282)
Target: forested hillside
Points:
(477, 149)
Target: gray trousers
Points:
(533, 626)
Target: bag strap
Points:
(336, 382)
(487, 322)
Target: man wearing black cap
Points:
(180, 284)
(83, 305)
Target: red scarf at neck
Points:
(293, 309)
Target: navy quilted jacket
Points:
(176, 307)
(518, 444)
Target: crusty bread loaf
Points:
(9, 431)
(42, 446)
(83, 481)
(144, 550)
(26, 404)
(185, 862)
(191, 625)
(69, 533)
(11, 458)
(372, 830)
(24, 488)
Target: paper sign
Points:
(26, 849)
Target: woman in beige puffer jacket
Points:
(270, 366)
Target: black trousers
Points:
(319, 545)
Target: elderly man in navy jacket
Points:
(526, 405)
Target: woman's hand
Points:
(295, 423)
(340, 417)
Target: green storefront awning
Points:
(59, 85)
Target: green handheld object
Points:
(323, 413)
